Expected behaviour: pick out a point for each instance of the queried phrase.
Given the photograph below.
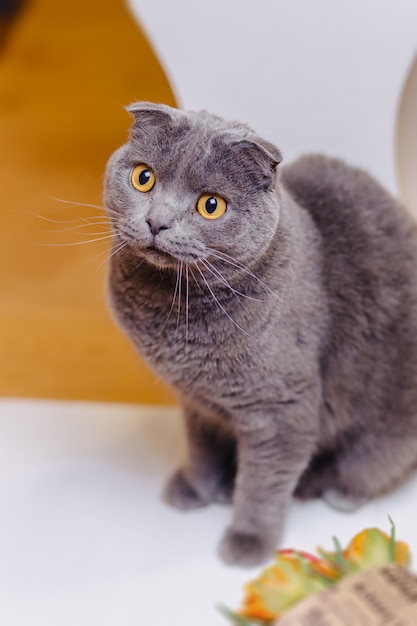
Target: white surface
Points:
(86, 541)
(310, 76)
(84, 537)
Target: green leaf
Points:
(392, 542)
(340, 559)
(235, 618)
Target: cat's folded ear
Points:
(150, 113)
(264, 154)
(263, 151)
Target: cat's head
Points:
(188, 184)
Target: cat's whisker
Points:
(108, 256)
(219, 304)
(216, 272)
(174, 297)
(72, 203)
(117, 246)
(186, 305)
(46, 218)
(212, 270)
(96, 217)
(75, 230)
(68, 204)
(80, 225)
(77, 220)
(197, 282)
(235, 263)
(139, 264)
(78, 243)
(93, 220)
(179, 270)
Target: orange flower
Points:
(370, 548)
(295, 575)
(280, 586)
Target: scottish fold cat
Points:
(281, 306)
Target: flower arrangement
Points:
(295, 575)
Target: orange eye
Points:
(211, 206)
(143, 179)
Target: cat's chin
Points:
(153, 255)
(158, 258)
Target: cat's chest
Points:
(193, 345)
(180, 340)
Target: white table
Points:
(86, 541)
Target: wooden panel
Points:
(66, 70)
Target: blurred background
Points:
(67, 69)
(87, 433)
(339, 79)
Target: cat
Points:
(280, 303)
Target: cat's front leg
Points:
(209, 472)
(271, 459)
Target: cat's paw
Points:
(342, 500)
(181, 494)
(245, 549)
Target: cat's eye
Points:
(143, 179)
(211, 206)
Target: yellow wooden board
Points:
(67, 69)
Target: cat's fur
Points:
(288, 327)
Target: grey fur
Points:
(288, 327)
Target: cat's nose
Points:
(155, 226)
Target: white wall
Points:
(309, 75)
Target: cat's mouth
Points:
(151, 251)
(159, 257)
(156, 253)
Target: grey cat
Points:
(281, 306)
